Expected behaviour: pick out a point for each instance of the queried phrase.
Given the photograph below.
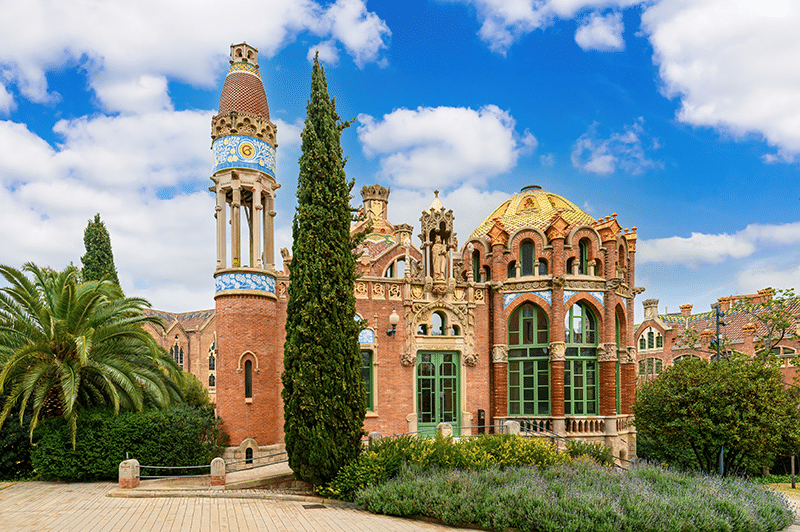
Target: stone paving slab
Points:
(48, 506)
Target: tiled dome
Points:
(243, 91)
(532, 207)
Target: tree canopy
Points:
(700, 406)
(65, 345)
(99, 259)
(324, 401)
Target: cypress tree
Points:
(324, 402)
(99, 259)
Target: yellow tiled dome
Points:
(533, 207)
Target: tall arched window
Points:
(248, 379)
(212, 381)
(438, 324)
(526, 257)
(512, 269)
(476, 266)
(212, 356)
(580, 367)
(583, 257)
(396, 269)
(176, 352)
(528, 362)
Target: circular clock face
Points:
(246, 150)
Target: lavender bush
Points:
(581, 496)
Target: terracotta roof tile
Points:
(243, 91)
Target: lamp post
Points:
(718, 341)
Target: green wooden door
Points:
(437, 390)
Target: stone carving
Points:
(613, 284)
(523, 286)
(419, 313)
(471, 359)
(377, 290)
(416, 292)
(394, 291)
(558, 351)
(238, 122)
(286, 256)
(582, 285)
(500, 354)
(439, 290)
(361, 290)
(607, 353)
(479, 295)
(282, 290)
(416, 271)
(439, 251)
(558, 282)
(459, 294)
(408, 359)
(630, 355)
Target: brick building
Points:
(531, 319)
(662, 342)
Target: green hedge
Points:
(180, 436)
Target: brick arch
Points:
(530, 297)
(621, 315)
(525, 233)
(242, 357)
(595, 244)
(591, 302)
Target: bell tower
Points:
(243, 147)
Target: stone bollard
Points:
(374, 437)
(511, 427)
(217, 473)
(129, 474)
(444, 429)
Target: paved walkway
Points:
(47, 506)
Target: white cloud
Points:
(127, 48)
(7, 103)
(288, 134)
(328, 53)
(765, 274)
(442, 146)
(733, 66)
(503, 22)
(625, 151)
(601, 33)
(716, 248)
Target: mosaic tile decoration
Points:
(239, 151)
(597, 295)
(244, 67)
(547, 295)
(366, 336)
(245, 281)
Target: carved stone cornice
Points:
(580, 285)
(500, 354)
(558, 351)
(613, 284)
(408, 359)
(523, 286)
(239, 123)
(607, 353)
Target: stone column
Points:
(222, 231)
(557, 360)
(129, 474)
(557, 345)
(607, 377)
(217, 473)
(628, 380)
(255, 236)
(500, 380)
(236, 228)
(269, 233)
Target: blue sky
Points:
(681, 116)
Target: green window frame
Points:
(580, 367)
(438, 399)
(528, 362)
(583, 257)
(526, 253)
(366, 377)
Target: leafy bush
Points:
(15, 446)
(384, 460)
(598, 452)
(179, 436)
(581, 496)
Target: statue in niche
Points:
(439, 251)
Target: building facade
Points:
(664, 340)
(530, 319)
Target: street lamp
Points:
(394, 319)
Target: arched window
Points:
(212, 381)
(248, 379)
(528, 362)
(176, 352)
(248, 455)
(396, 269)
(212, 356)
(476, 266)
(526, 257)
(642, 342)
(621, 256)
(650, 367)
(512, 269)
(651, 338)
(438, 324)
(542, 266)
(580, 367)
(583, 257)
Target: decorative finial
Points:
(436, 193)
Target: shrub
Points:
(179, 436)
(15, 446)
(594, 450)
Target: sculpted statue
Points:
(439, 251)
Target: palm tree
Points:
(65, 345)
